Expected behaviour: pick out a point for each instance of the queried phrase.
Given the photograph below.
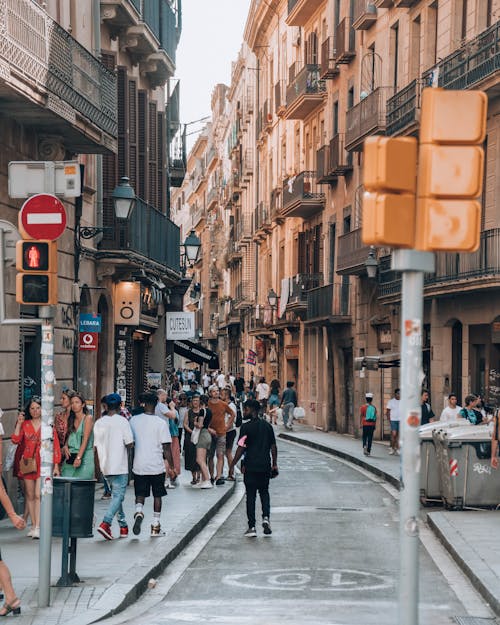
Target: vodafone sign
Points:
(42, 217)
(88, 340)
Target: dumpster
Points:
(430, 485)
(81, 495)
(467, 478)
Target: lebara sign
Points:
(180, 325)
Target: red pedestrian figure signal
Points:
(33, 257)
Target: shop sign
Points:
(127, 303)
(90, 322)
(88, 340)
(251, 357)
(384, 337)
(292, 352)
(153, 378)
(180, 325)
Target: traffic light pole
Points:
(413, 264)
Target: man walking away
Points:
(368, 414)
(219, 409)
(427, 413)
(239, 386)
(258, 443)
(262, 391)
(152, 445)
(452, 410)
(288, 403)
(392, 413)
(112, 438)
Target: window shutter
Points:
(123, 160)
(132, 134)
(162, 143)
(302, 264)
(152, 156)
(142, 174)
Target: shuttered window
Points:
(142, 128)
(152, 156)
(109, 165)
(161, 163)
(123, 161)
(132, 133)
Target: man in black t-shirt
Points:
(258, 443)
(427, 413)
(239, 386)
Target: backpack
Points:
(371, 413)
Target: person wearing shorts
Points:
(219, 409)
(230, 432)
(202, 419)
(392, 412)
(152, 442)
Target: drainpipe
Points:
(257, 173)
(96, 28)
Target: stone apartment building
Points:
(314, 78)
(85, 81)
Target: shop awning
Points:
(197, 353)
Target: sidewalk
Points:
(114, 573)
(472, 537)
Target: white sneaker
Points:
(391, 451)
(36, 533)
(207, 484)
(396, 451)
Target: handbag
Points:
(195, 435)
(299, 412)
(28, 465)
(71, 459)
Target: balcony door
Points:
(456, 360)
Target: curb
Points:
(129, 592)
(394, 481)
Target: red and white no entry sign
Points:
(42, 217)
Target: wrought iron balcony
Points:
(49, 80)
(323, 166)
(280, 98)
(454, 271)
(329, 67)
(352, 254)
(344, 41)
(476, 64)
(299, 11)
(260, 319)
(365, 15)
(305, 93)
(198, 216)
(339, 159)
(403, 110)
(243, 295)
(243, 227)
(302, 196)
(212, 197)
(147, 234)
(366, 118)
(247, 164)
(298, 287)
(262, 219)
(275, 205)
(329, 304)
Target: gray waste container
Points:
(81, 498)
(467, 479)
(430, 483)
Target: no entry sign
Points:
(42, 217)
(88, 340)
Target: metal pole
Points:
(46, 456)
(413, 265)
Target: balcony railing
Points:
(280, 97)
(247, 165)
(275, 204)
(329, 67)
(352, 253)
(344, 41)
(148, 233)
(339, 159)
(365, 14)
(366, 118)
(305, 92)
(452, 268)
(323, 166)
(299, 11)
(242, 292)
(299, 285)
(403, 109)
(472, 64)
(66, 77)
(212, 196)
(243, 227)
(262, 217)
(328, 301)
(302, 195)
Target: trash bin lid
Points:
(426, 430)
(472, 433)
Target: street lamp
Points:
(272, 298)
(371, 264)
(123, 198)
(192, 246)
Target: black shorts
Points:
(144, 484)
(230, 436)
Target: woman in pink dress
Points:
(27, 435)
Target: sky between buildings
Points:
(212, 34)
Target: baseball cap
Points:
(113, 398)
(369, 395)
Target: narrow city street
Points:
(332, 559)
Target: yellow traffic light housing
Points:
(389, 179)
(450, 170)
(36, 282)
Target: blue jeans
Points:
(118, 485)
(288, 414)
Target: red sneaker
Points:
(124, 532)
(104, 529)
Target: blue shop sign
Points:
(90, 322)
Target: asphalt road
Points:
(332, 559)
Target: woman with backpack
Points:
(368, 414)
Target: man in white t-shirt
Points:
(451, 412)
(221, 381)
(262, 392)
(112, 438)
(392, 412)
(152, 444)
(207, 381)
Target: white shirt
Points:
(232, 379)
(228, 416)
(221, 381)
(206, 380)
(450, 414)
(162, 411)
(262, 390)
(111, 435)
(150, 433)
(393, 406)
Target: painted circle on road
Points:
(322, 580)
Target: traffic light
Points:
(389, 179)
(36, 282)
(450, 170)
